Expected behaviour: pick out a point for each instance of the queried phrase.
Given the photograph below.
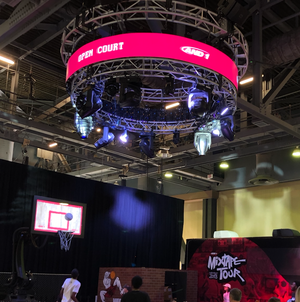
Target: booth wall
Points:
(124, 227)
(258, 210)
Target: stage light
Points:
(88, 104)
(176, 137)
(224, 165)
(172, 105)
(106, 139)
(146, 143)
(130, 95)
(7, 60)
(124, 137)
(98, 129)
(202, 141)
(246, 81)
(168, 174)
(215, 127)
(83, 126)
(52, 144)
(198, 102)
(296, 152)
(169, 86)
(227, 127)
(111, 87)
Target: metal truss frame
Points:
(190, 75)
(153, 67)
(158, 127)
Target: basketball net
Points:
(65, 239)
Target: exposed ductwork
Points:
(283, 48)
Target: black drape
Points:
(124, 226)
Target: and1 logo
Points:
(195, 51)
(224, 267)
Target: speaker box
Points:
(285, 233)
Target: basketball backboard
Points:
(49, 216)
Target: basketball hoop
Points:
(65, 239)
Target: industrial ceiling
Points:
(36, 108)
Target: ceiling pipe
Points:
(284, 48)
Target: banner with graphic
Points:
(261, 267)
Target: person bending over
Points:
(135, 295)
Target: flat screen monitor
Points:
(50, 215)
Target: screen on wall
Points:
(51, 215)
(261, 267)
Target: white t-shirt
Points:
(226, 297)
(70, 286)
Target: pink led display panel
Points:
(49, 216)
(153, 45)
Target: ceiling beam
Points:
(26, 16)
(230, 155)
(283, 78)
(47, 113)
(268, 118)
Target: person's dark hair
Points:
(136, 282)
(75, 273)
(274, 299)
(297, 283)
(236, 294)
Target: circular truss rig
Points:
(150, 114)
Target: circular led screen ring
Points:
(153, 45)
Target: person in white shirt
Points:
(70, 288)
(227, 288)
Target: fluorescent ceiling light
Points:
(168, 174)
(6, 60)
(224, 165)
(52, 144)
(246, 81)
(172, 105)
(296, 152)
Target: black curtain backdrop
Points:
(124, 227)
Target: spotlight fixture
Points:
(227, 127)
(296, 152)
(124, 137)
(202, 141)
(216, 127)
(83, 126)
(88, 104)
(176, 137)
(224, 165)
(146, 143)
(198, 102)
(106, 139)
(130, 94)
(169, 86)
(52, 144)
(111, 87)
